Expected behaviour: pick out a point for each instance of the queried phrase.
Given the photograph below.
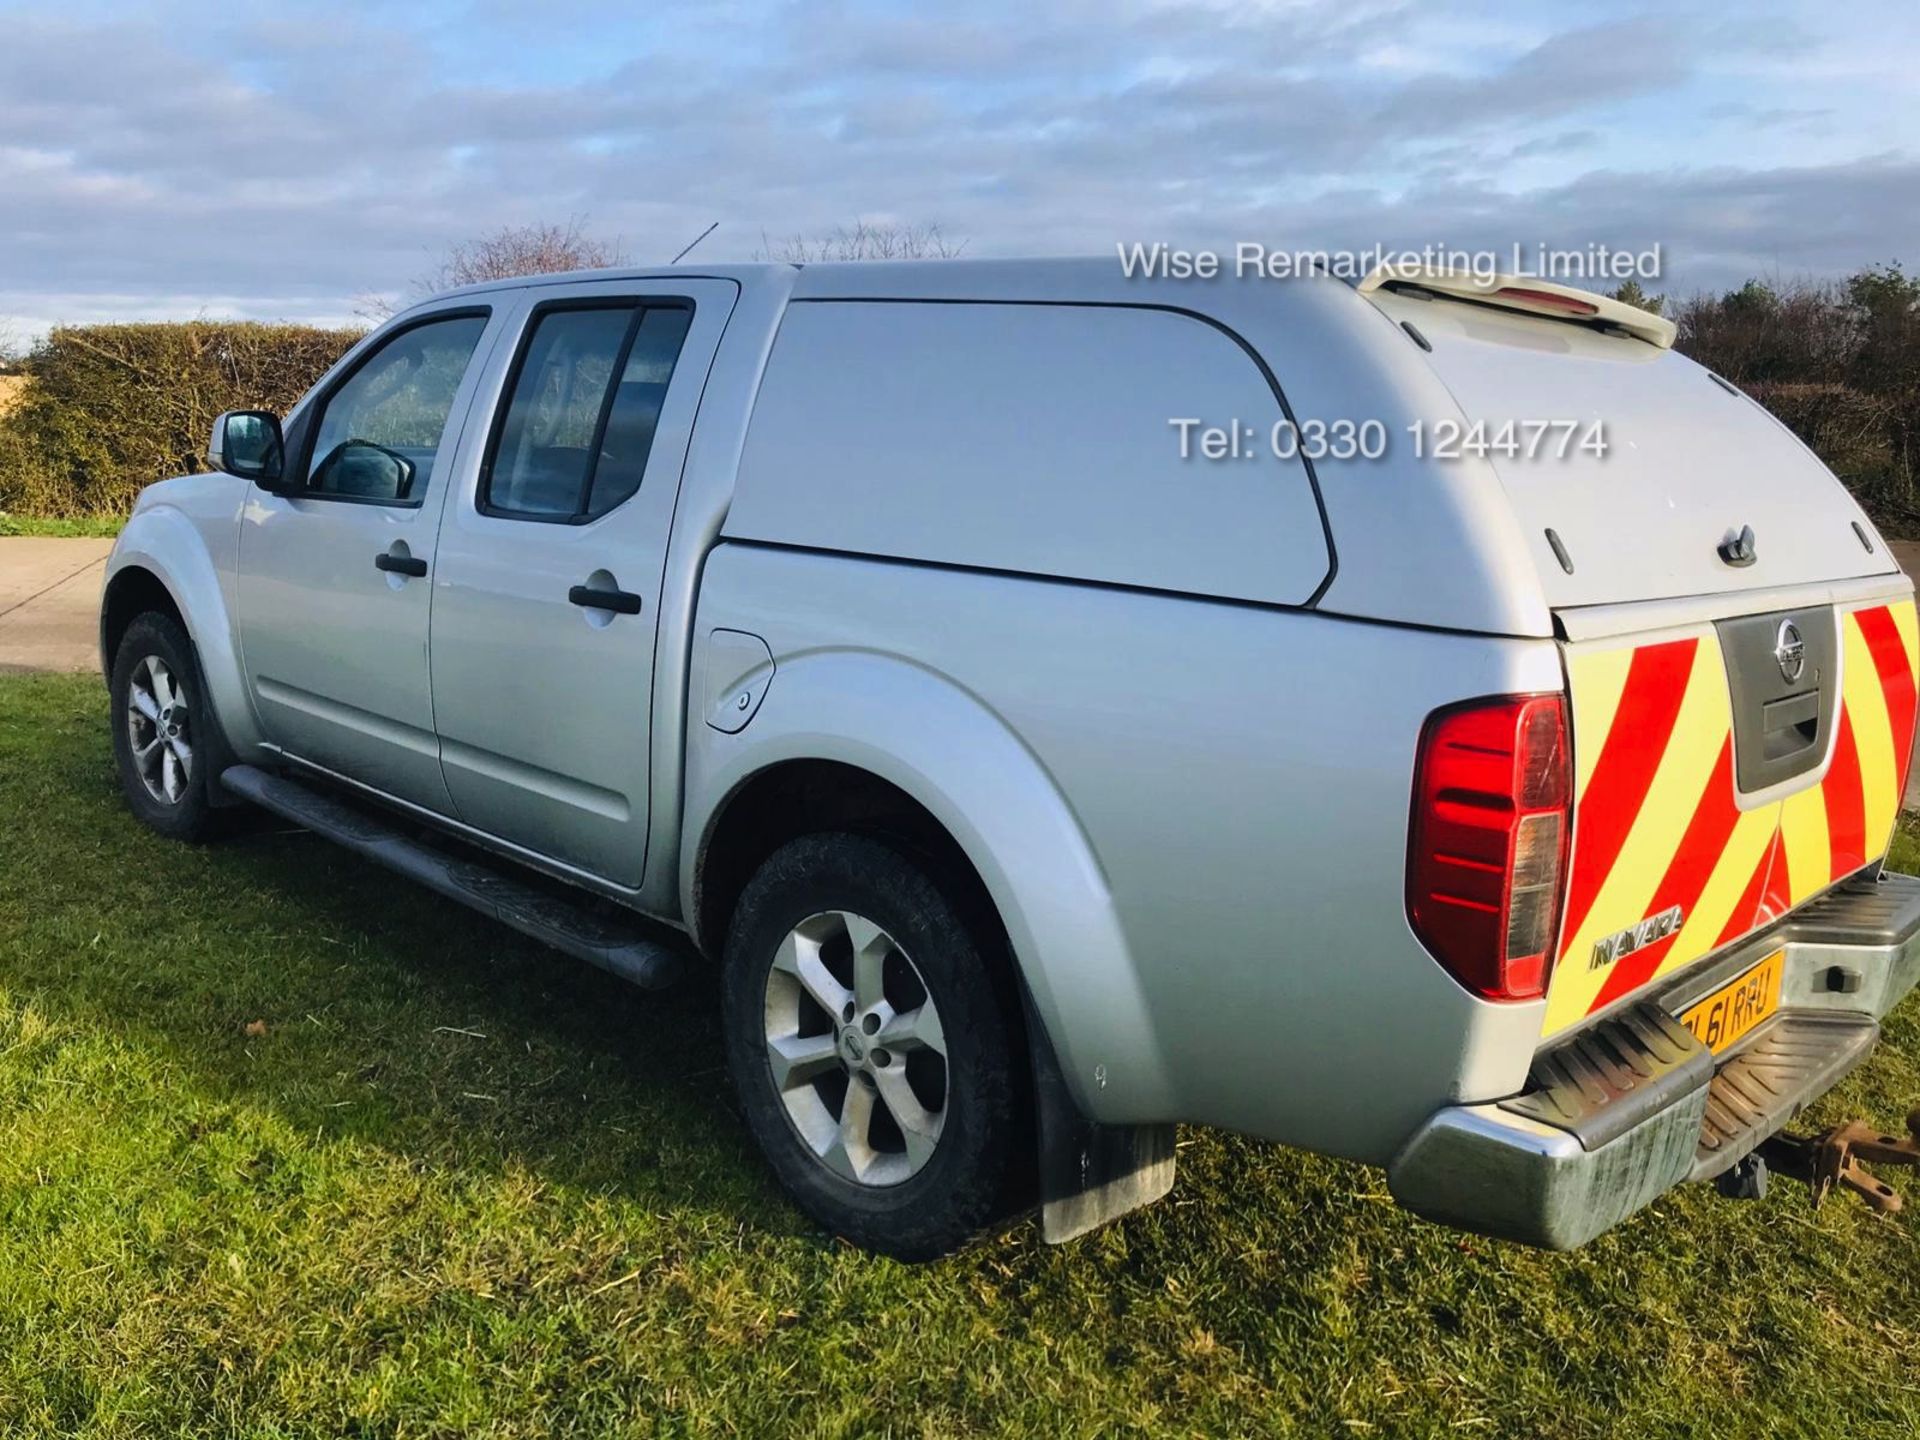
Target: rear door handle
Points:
(620, 602)
(400, 564)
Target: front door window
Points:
(379, 431)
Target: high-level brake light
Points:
(1547, 300)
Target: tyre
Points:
(159, 719)
(872, 1041)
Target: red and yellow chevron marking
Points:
(1655, 819)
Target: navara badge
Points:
(1610, 948)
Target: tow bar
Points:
(1840, 1156)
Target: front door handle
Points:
(620, 602)
(400, 564)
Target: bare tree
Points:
(501, 255)
(863, 240)
(523, 250)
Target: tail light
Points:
(1492, 803)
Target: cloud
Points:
(1565, 74)
(282, 163)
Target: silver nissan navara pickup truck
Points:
(1426, 720)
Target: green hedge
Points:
(110, 408)
(1840, 364)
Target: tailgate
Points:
(1724, 773)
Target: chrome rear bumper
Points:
(1634, 1105)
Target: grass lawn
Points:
(288, 1146)
(101, 528)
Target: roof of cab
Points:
(743, 273)
(1088, 278)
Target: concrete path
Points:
(50, 603)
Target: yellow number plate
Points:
(1733, 1010)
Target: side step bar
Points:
(534, 912)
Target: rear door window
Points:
(573, 440)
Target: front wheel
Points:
(160, 719)
(872, 1045)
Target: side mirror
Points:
(247, 443)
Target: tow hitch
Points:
(1840, 1156)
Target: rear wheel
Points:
(158, 717)
(871, 1044)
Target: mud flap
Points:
(216, 751)
(1089, 1173)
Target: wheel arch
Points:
(852, 737)
(161, 563)
(132, 592)
(801, 796)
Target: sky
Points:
(279, 161)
